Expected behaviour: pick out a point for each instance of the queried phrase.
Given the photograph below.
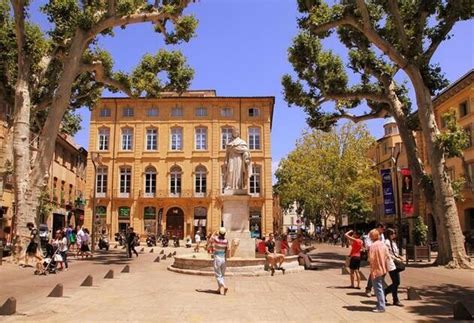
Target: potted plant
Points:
(420, 250)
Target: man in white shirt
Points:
(197, 238)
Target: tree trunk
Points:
(21, 159)
(451, 250)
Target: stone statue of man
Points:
(237, 167)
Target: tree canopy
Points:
(329, 173)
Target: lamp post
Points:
(96, 158)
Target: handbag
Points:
(58, 258)
(364, 255)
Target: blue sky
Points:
(241, 50)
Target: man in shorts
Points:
(273, 258)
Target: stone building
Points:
(64, 193)
(457, 97)
(159, 164)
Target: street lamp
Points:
(96, 158)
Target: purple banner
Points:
(387, 190)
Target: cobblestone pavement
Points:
(152, 293)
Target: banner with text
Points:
(387, 189)
(407, 192)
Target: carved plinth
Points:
(236, 221)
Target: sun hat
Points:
(222, 231)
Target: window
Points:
(175, 181)
(254, 138)
(201, 112)
(152, 112)
(176, 139)
(470, 175)
(255, 180)
(200, 184)
(127, 138)
(101, 181)
(468, 131)
(463, 109)
(177, 112)
(103, 139)
(226, 112)
(226, 136)
(150, 182)
(200, 138)
(125, 180)
(127, 112)
(451, 173)
(152, 139)
(105, 112)
(254, 112)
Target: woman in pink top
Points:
(378, 255)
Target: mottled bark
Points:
(451, 250)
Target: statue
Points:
(237, 167)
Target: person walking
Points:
(197, 239)
(131, 242)
(393, 271)
(354, 263)
(380, 227)
(62, 246)
(220, 247)
(378, 256)
(33, 248)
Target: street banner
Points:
(387, 189)
(407, 192)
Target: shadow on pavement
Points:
(437, 301)
(357, 294)
(356, 308)
(327, 260)
(208, 291)
(109, 258)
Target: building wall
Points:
(163, 159)
(452, 99)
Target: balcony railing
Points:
(168, 193)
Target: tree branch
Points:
(359, 96)
(394, 10)
(98, 69)
(368, 116)
(448, 25)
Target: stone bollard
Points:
(460, 312)
(109, 275)
(57, 291)
(170, 255)
(164, 257)
(157, 259)
(9, 307)
(142, 249)
(174, 253)
(162, 252)
(413, 294)
(344, 270)
(116, 246)
(151, 250)
(126, 269)
(87, 282)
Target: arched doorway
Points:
(175, 222)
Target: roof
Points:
(456, 86)
(189, 95)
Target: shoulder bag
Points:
(398, 263)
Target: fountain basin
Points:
(203, 264)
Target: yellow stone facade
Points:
(174, 185)
(459, 97)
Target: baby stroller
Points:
(49, 262)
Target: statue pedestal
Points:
(236, 221)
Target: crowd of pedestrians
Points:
(51, 253)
